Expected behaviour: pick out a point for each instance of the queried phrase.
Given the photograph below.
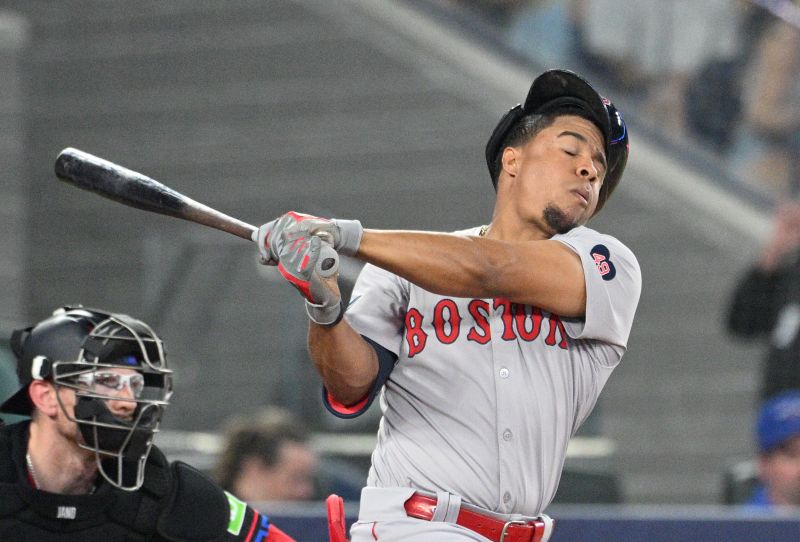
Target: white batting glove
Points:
(312, 266)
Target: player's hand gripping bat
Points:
(120, 184)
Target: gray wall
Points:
(13, 200)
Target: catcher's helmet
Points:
(562, 89)
(75, 348)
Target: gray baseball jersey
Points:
(486, 393)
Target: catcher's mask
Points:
(563, 90)
(103, 357)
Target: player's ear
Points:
(509, 161)
(43, 396)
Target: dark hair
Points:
(258, 436)
(526, 129)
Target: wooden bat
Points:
(128, 187)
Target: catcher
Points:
(84, 468)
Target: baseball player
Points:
(84, 467)
(490, 345)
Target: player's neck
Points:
(505, 227)
(508, 224)
(56, 463)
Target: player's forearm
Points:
(442, 263)
(346, 362)
(546, 274)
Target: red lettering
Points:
(555, 324)
(415, 336)
(481, 333)
(508, 318)
(454, 319)
(521, 318)
(601, 263)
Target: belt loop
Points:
(549, 525)
(447, 507)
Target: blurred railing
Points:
(344, 460)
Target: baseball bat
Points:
(130, 188)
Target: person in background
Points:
(766, 303)
(267, 458)
(765, 151)
(778, 436)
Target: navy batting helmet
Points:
(562, 89)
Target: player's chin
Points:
(561, 220)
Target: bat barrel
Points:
(131, 188)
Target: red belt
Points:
(422, 507)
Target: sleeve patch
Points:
(602, 259)
(238, 509)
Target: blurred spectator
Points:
(767, 143)
(266, 457)
(778, 436)
(653, 47)
(498, 12)
(549, 32)
(714, 95)
(766, 302)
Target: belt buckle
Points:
(508, 524)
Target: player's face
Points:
(780, 471)
(121, 385)
(295, 472)
(560, 172)
(65, 423)
(290, 478)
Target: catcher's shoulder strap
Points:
(139, 510)
(176, 501)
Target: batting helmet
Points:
(79, 348)
(555, 90)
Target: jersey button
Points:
(504, 372)
(507, 435)
(506, 497)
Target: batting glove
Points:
(264, 239)
(343, 235)
(312, 267)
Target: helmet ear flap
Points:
(493, 146)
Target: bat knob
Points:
(328, 263)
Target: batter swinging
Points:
(490, 345)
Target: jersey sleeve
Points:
(613, 286)
(755, 303)
(248, 525)
(377, 307)
(198, 509)
(377, 311)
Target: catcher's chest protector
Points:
(109, 515)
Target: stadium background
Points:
(377, 110)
